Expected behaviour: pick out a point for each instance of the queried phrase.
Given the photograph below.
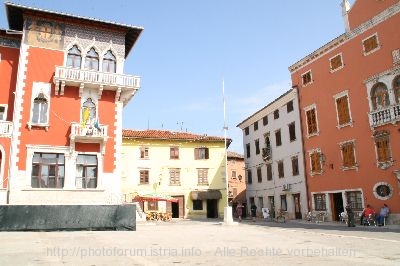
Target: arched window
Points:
(88, 112)
(92, 60)
(74, 57)
(109, 62)
(379, 96)
(40, 107)
(396, 88)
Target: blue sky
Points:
(189, 46)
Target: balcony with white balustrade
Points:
(125, 86)
(6, 128)
(385, 115)
(88, 134)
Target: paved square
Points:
(207, 243)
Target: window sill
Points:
(347, 168)
(384, 165)
(336, 69)
(65, 189)
(345, 125)
(39, 125)
(316, 173)
(313, 134)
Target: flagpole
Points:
(228, 218)
(226, 153)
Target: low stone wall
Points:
(67, 217)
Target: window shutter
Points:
(343, 110)
(206, 149)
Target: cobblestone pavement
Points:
(208, 242)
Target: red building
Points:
(350, 110)
(62, 91)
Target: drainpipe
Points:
(296, 87)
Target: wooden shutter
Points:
(311, 121)
(348, 155)
(382, 146)
(343, 110)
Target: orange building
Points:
(236, 180)
(62, 90)
(350, 110)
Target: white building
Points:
(274, 158)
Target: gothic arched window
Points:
(74, 57)
(109, 62)
(92, 60)
(379, 96)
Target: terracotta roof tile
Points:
(168, 135)
(232, 154)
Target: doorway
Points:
(337, 206)
(271, 200)
(212, 208)
(176, 208)
(297, 209)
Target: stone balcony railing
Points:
(88, 133)
(83, 78)
(389, 114)
(6, 128)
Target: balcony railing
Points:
(6, 128)
(389, 114)
(88, 132)
(73, 76)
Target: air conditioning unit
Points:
(287, 187)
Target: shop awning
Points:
(205, 194)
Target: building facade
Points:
(189, 167)
(274, 158)
(236, 180)
(350, 111)
(62, 94)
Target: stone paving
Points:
(208, 242)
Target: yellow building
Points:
(186, 166)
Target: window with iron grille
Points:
(320, 202)
(48, 170)
(354, 198)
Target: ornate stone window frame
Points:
(341, 144)
(341, 61)
(306, 109)
(376, 194)
(45, 90)
(373, 50)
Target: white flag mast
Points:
(228, 218)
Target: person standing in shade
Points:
(253, 210)
(239, 211)
(350, 216)
(384, 213)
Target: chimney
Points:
(345, 14)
